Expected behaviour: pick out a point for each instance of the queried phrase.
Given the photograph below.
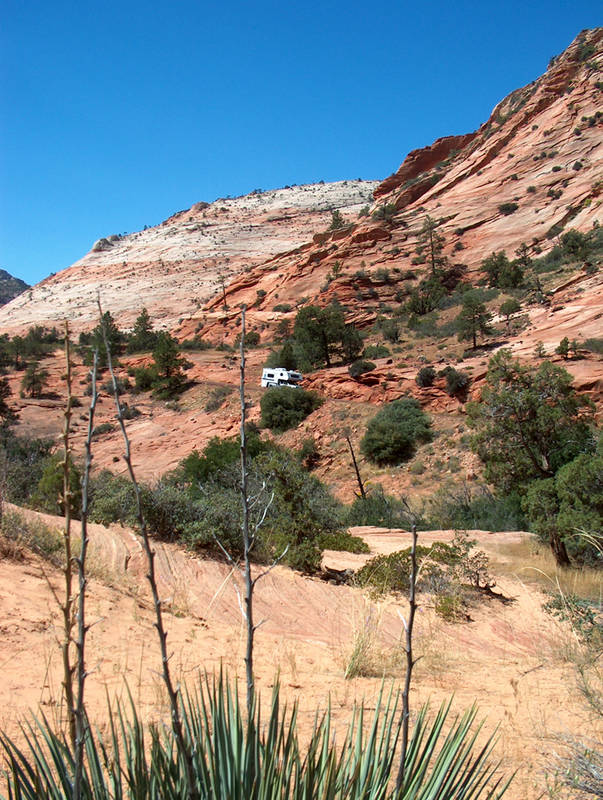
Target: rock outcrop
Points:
(177, 267)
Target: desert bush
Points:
(472, 507)
(569, 507)
(508, 208)
(252, 339)
(376, 351)
(443, 569)
(385, 212)
(217, 397)
(123, 386)
(104, 427)
(284, 407)
(426, 296)
(360, 367)
(593, 345)
(378, 508)
(456, 381)
(112, 499)
(309, 454)
(393, 433)
(130, 412)
(48, 494)
(33, 534)
(582, 615)
(501, 272)
(425, 376)
(25, 461)
(196, 344)
(301, 520)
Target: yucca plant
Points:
(248, 758)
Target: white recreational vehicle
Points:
(278, 376)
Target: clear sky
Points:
(114, 115)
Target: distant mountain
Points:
(10, 287)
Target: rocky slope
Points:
(10, 287)
(175, 268)
(530, 172)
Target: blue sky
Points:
(114, 115)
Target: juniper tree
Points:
(474, 318)
(431, 243)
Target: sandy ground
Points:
(509, 658)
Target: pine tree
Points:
(431, 244)
(474, 318)
(7, 415)
(143, 337)
(168, 367)
(34, 380)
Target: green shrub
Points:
(456, 381)
(343, 540)
(450, 607)
(309, 454)
(501, 272)
(508, 208)
(48, 495)
(425, 376)
(33, 534)
(337, 221)
(391, 573)
(466, 507)
(144, 378)
(386, 212)
(378, 508)
(123, 386)
(25, 461)
(284, 407)
(593, 345)
(252, 339)
(442, 569)
(568, 508)
(130, 412)
(104, 427)
(196, 344)
(376, 351)
(360, 367)
(393, 433)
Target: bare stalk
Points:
(173, 693)
(247, 542)
(81, 727)
(346, 435)
(67, 606)
(410, 661)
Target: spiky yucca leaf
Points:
(253, 759)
